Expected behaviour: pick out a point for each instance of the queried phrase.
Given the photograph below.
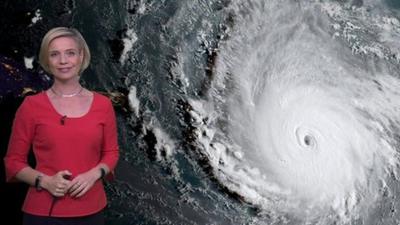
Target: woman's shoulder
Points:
(34, 98)
(102, 98)
(31, 103)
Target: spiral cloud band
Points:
(309, 124)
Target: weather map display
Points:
(251, 112)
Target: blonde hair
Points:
(63, 32)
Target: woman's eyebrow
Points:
(69, 49)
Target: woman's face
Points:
(64, 58)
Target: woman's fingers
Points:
(83, 191)
(59, 192)
(81, 184)
(74, 185)
(77, 188)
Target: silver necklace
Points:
(67, 95)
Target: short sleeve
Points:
(20, 142)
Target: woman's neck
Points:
(66, 88)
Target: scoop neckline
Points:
(77, 117)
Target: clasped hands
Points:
(59, 185)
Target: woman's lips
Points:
(64, 70)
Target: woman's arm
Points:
(20, 143)
(110, 150)
(56, 184)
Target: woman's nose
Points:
(63, 59)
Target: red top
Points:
(78, 145)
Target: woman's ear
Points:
(81, 55)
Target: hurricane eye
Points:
(308, 140)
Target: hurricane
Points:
(303, 109)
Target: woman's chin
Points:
(65, 76)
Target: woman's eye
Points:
(71, 53)
(53, 54)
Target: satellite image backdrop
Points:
(251, 112)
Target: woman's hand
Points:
(83, 182)
(57, 184)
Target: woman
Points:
(72, 132)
